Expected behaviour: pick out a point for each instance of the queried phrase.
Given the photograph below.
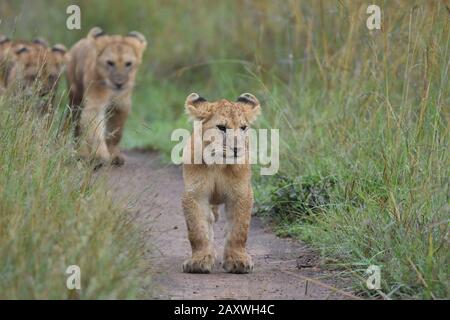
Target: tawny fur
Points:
(101, 75)
(207, 186)
(6, 60)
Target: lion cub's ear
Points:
(253, 106)
(40, 41)
(4, 39)
(197, 107)
(21, 49)
(61, 50)
(139, 36)
(137, 40)
(98, 37)
(95, 32)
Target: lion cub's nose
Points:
(119, 85)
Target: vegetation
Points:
(55, 214)
(363, 116)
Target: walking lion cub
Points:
(209, 185)
(101, 75)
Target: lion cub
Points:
(101, 75)
(209, 185)
(32, 68)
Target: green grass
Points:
(54, 213)
(381, 134)
(367, 110)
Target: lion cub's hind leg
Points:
(199, 221)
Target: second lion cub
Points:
(101, 75)
(209, 185)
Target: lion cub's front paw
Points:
(94, 163)
(118, 160)
(238, 263)
(203, 264)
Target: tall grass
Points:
(55, 213)
(367, 110)
(375, 121)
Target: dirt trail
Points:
(154, 191)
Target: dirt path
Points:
(154, 191)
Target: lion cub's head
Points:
(227, 120)
(118, 57)
(37, 67)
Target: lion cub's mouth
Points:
(118, 87)
(114, 86)
(231, 154)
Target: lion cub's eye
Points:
(243, 128)
(128, 64)
(222, 128)
(110, 63)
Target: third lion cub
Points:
(209, 185)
